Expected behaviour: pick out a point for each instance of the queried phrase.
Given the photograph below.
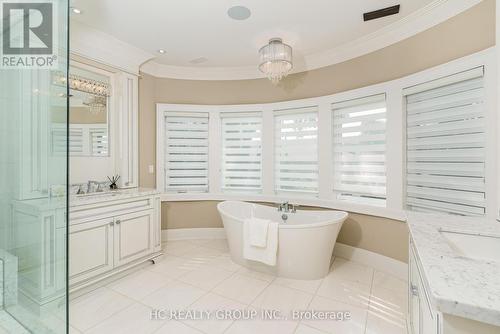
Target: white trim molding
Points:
(426, 17)
(100, 47)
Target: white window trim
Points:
(395, 141)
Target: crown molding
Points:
(200, 73)
(426, 17)
(100, 47)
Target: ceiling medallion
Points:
(275, 60)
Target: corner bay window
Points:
(417, 143)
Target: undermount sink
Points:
(475, 246)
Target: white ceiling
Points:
(192, 29)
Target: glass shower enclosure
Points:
(33, 166)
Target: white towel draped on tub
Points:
(260, 240)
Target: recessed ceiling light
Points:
(161, 51)
(198, 60)
(239, 13)
(75, 10)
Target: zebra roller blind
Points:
(60, 138)
(296, 151)
(242, 151)
(186, 152)
(359, 130)
(446, 145)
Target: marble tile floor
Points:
(199, 275)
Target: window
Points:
(446, 145)
(425, 142)
(59, 141)
(186, 152)
(241, 151)
(359, 150)
(84, 140)
(296, 151)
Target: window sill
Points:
(316, 202)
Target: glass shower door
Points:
(33, 166)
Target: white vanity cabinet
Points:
(108, 234)
(422, 319)
(111, 236)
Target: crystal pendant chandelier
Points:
(96, 104)
(275, 60)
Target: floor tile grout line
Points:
(369, 301)
(90, 328)
(155, 290)
(233, 273)
(114, 313)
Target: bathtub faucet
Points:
(286, 207)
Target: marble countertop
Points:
(113, 195)
(460, 286)
(77, 200)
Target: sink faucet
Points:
(286, 207)
(89, 186)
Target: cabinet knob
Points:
(414, 290)
(118, 222)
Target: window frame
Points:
(395, 141)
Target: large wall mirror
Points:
(91, 118)
(89, 113)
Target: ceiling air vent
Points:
(376, 14)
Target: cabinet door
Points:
(413, 297)
(423, 318)
(133, 236)
(90, 249)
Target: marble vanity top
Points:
(118, 194)
(458, 285)
(77, 200)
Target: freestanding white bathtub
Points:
(305, 240)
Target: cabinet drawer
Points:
(85, 213)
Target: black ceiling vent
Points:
(376, 14)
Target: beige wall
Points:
(82, 115)
(384, 236)
(469, 32)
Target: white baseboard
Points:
(363, 256)
(372, 259)
(193, 233)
